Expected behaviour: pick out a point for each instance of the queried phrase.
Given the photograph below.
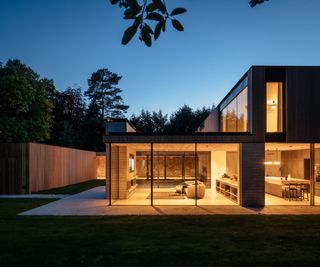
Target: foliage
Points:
(144, 12)
(141, 13)
(253, 3)
(185, 120)
(68, 115)
(25, 104)
(103, 93)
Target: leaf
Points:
(155, 16)
(146, 32)
(177, 25)
(164, 27)
(146, 38)
(129, 13)
(253, 3)
(151, 7)
(157, 30)
(147, 28)
(114, 2)
(177, 11)
(128, 34)
(160, 6)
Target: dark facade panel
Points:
(302, 112)
(187, 138)
(258, 100)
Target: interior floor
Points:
(141, 196)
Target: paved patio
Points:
(93, 202)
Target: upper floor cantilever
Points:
(273, 103)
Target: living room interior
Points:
(183, 174)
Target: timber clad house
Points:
(260, 146)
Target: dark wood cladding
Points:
(13, 168)
(303, 86)
(257, 102)
(187, 138)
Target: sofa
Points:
(191, 190)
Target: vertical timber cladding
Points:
(303, 94)
(14, 168)
(53, 166)
(251, 159)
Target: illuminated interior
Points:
(274, 107)
(174, 174)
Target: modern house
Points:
(259, 146)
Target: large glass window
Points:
(234, 117)
(287, 174)
(173, 174)
(274, 107)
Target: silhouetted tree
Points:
(25, 104)
(92, 129)
(69, 112)
(159, 121)
(185, 120)
(105, 95)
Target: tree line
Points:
(33, 110)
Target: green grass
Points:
(156, 240)
(74, 188)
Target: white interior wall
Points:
(218, 166)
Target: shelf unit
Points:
(228, 189)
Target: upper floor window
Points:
(234, 116)
(274, 110)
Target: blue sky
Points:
(67, 40)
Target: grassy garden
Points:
(155, 240)
(74, 188)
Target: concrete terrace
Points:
(93, 203)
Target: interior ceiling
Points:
(183, 147)
(285, 146)
(214, 147)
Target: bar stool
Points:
(304, 189)
(293, 189)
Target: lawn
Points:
(156, 240)
(74, 188)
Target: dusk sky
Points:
(68, 40)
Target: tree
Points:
(141, 13)
(104, 94)
(92, 129)
(150, 122)
(68, 113)
(25, 104)
(185, 120)
(159, 121)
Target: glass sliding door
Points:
(130, 174)
(317, 174)
(173, 173)
(287, 174)
(218, 174)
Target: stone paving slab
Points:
(93, 203)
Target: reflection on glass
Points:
(274, 107)
(234, 117)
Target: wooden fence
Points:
(30, 167)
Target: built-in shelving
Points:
(228, 189)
